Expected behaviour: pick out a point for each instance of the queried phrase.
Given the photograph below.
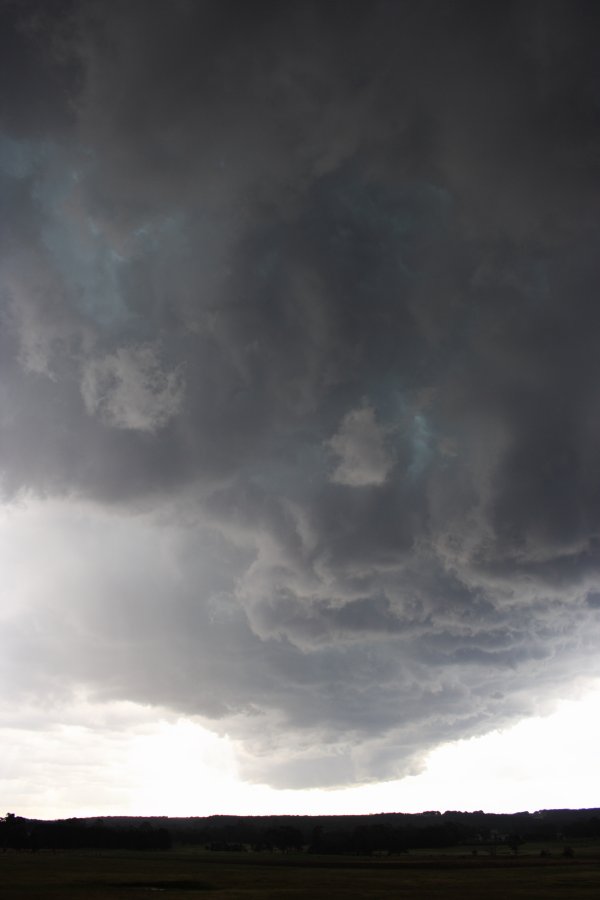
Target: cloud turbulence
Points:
(299, 301)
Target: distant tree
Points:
(284, 837)
(316, 839)
(13, 831)
(514, 841)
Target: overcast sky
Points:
(299, 376)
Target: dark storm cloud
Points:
(321, 279)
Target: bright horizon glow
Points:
(176, 767)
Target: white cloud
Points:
(81, 758)
(129, 389)
(360, 446)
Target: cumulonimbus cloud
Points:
(311, 304)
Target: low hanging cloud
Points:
(299, 367)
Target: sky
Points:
(299, 406)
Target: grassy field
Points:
(177, 875)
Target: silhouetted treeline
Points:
(386, 832)
(74, 834)
(389, 833)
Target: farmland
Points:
(181, 873)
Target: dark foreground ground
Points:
(180, 874)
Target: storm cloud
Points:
(299, 359)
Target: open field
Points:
(177, 875)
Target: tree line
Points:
(392, 833)
(17, 833)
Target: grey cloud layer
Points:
(321, 278)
